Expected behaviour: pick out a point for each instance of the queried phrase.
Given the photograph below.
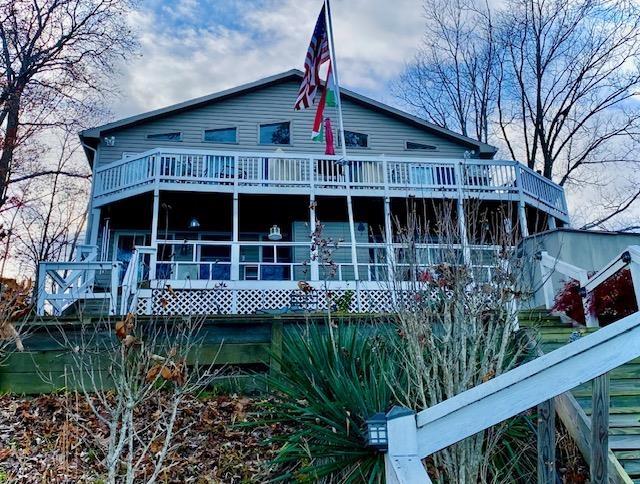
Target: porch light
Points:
(377, 437)
(194, 224)
(274, 233)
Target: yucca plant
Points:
(330, 381)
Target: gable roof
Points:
(86, 136)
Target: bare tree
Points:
(51, 220)
(562, 77)
(456, 311)
(126, 371)
(56, 59)
(452, 80)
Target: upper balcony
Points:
(295, 173)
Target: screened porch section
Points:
(196, 245)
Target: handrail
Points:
(65, 292)
(168, 165)
(511, 393)
(549, 265)
(130, 281)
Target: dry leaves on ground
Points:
(56, 439)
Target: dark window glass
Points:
(356, 140)
(275, 134)
(177, 136)
(224, 135)
(419, 146)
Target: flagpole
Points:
(334, 69)
(343, 141)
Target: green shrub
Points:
(330, 380)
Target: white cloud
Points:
(191, 49)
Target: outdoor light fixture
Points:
(274, 233)
(360, 227)
(377, 432)
(194, 224)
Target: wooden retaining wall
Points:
(47, 364)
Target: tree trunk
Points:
(9, 142)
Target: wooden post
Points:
(522, 218)
(313, 254)
(546, 275)
(153, 258)
(401, 462)
(276, 345)
(634, 268)
(600, 430)
(235, 247)
(546, 442)
(462, 220)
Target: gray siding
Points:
(275, 103)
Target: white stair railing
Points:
(412, 437)
(630, 258)
(550, 265)
(131, 279)
(61, 284)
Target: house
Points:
(207, 206)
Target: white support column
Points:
(235, 247)
(546, 275)
(153, 258)
(462, 219)
(94, 226)
(551, 222)
(402, 462)
(634, 268)
(352, 233)
(522, 218)
(313, 259)
(388, 235)
(522, 214)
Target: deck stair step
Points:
(624, 412)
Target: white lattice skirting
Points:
(251, 301)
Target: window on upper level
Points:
(222, 135)
(173, 136)
(275, 133)
(356, 140)
(410, 145)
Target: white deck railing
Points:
(413, 437)
(178, 168)
(629, 258)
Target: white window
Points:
(222, 135)
(275, 133)
(172, 136)
(410, 145)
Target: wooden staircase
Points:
(624, 413)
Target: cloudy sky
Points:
(191, 48)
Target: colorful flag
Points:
(317, 133)
(328, 98)
(329, 149)
(317, 54)
(330, 89)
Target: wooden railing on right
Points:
(412, 437)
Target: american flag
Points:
(317, 54)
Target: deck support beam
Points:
(522, 219)
(388, 236)
(235, 236)
(93, 226)
(313, 254)
(153, 257)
